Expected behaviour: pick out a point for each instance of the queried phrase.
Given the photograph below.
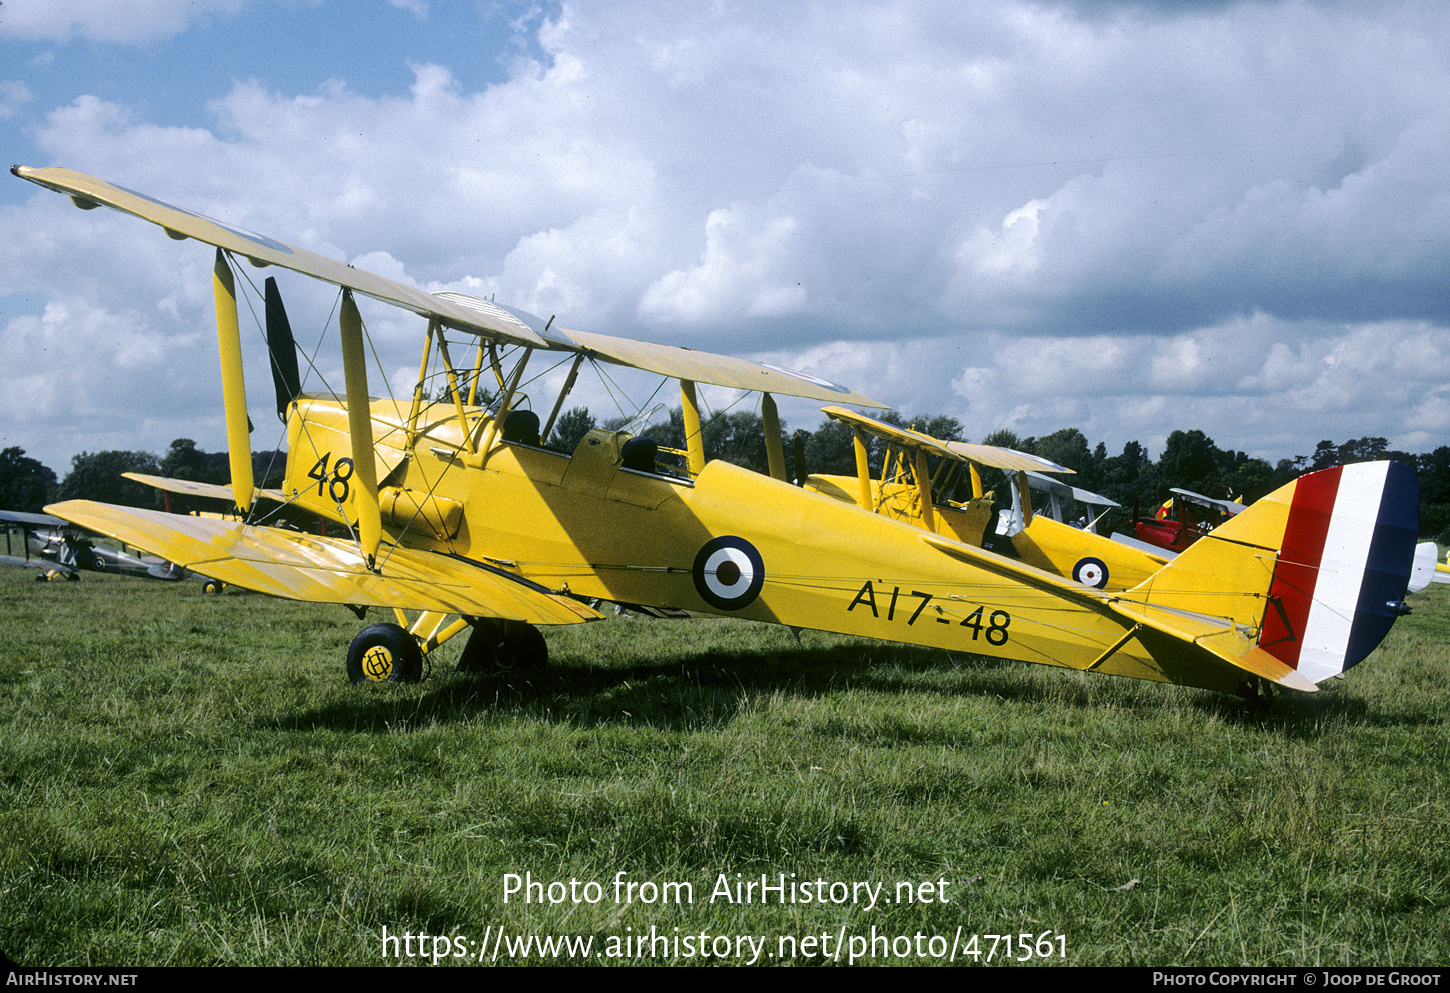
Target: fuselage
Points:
(728, 541)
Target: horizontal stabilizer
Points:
(1427, 555)
(1157, 551)
(297, 566)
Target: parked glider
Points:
(58, 548)
(454, 509)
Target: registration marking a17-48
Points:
(995, 627)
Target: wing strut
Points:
(863, 470)
(234, 390)
(559, 403)
(694, 437)
(360, 427)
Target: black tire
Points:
(73, 577)
(504, 646)
(212, 587)
(384, 653)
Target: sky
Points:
(1125, 217)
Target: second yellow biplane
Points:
(456, 511)
(920, 474)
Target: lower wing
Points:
(322, 570)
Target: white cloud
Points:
(740, 273)
(1229, 218)
(105, 20)
(12, 95)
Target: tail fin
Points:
(1344, 566)
(1318, 568)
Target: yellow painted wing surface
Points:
(87, 192)
(890, 433)
(718, 370)
(456, 310)
(1004, 458)
(999, 458)
(323, 570)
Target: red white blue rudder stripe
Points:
(1343, 567)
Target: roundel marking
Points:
(728, 573)
(807, 377)
(1091, 572)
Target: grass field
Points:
(190, 780)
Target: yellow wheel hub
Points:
(378, 664)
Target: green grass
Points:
(190, 780)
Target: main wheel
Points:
(212, 586)
(384, 653)
(504, 646)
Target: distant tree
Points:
(1191, 461)
(97, 476)
(1434, 472)
(1004, 438)
(25, 484)
(570, 429)
(1246, 479)
(185, 461)
(1131, 480)
(1070, 448)
(1362, 450)
(1326, 454)
(830, 450)
(738, 438)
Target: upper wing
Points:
(1004, 458)
(892, 434)
(1227, 506)
(1064, 490)
(304, 567)
(87, 192)
(961, 451)
(31, 520)
(456, 310)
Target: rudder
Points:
(1343, 567)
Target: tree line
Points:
(1190, 460)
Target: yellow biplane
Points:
(920, 474)
(456, 512)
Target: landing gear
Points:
(384, 653)
(212, 587)
(504, 646)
